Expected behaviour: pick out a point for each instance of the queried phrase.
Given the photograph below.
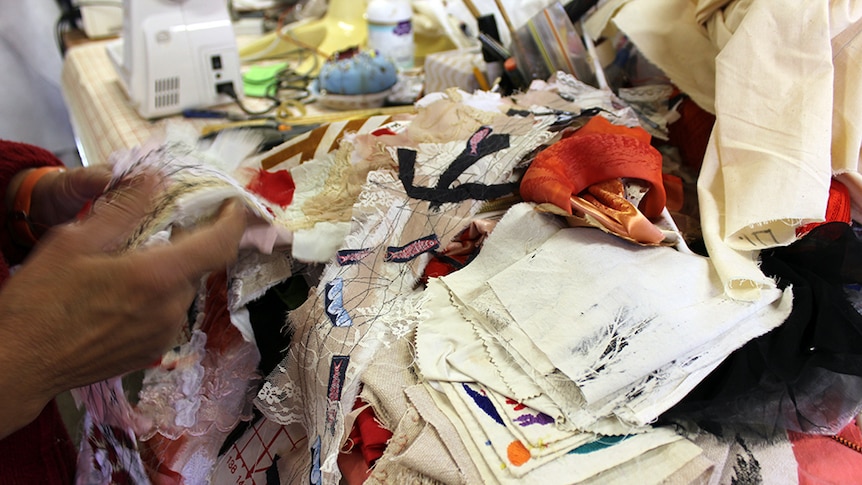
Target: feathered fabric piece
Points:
(197, 178)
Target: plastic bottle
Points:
(390, 30)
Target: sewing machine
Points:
(176, 54)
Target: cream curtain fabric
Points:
(782, 80)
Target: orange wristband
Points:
(20, 222)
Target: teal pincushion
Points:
(356, 71)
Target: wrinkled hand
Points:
(76, 313)
(59, 196)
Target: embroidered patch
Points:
(314, 475)
(599, 444)
(345, 257)
(408, 252)
(337, 372)
(334, 299)
(481, 144)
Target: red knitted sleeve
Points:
(15, 157)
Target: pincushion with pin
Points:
(355, 78)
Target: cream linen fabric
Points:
(417, 450)
(786, 100)
(677, 463)
(846, 123)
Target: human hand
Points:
(77, 313)
(58, 196)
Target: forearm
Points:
(23, 392)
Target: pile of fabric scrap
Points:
(499, 290)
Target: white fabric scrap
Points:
(775, 163)
(320, 243)
(600, 308)
(241, 319)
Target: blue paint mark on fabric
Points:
(599, 444)
(484, 404)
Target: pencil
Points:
(472, 8)
(505, 16)
(481, 79)
(516, 40)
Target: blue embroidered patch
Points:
(314, 475)
(334, 301)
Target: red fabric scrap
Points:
(593, 154)
(277, 187)
(837, 208)
(823, 459)
(368, 435)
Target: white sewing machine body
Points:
(176, 54)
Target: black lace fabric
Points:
(805, 375)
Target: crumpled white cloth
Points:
(786, 98)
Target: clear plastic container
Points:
(548, 43)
